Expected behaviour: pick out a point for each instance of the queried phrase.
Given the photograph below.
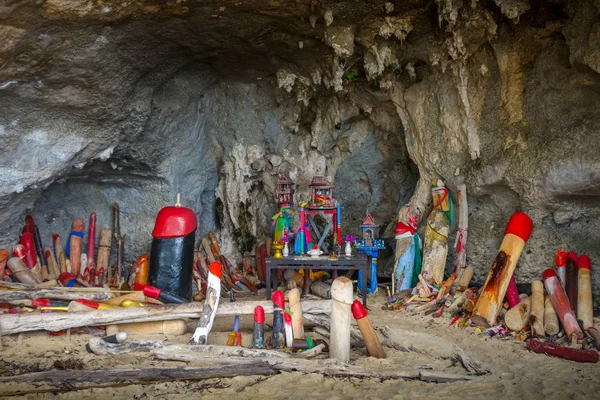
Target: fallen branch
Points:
(15, 295)
(237, 367)
(429, 345)
(54, 322)
(149, 374)
(405, 340)
(100, 347)
(327, 367)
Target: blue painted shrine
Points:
(370, 245)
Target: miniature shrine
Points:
(370, 244)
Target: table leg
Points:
(306, 280)
(364, 284)
(276, 280)
(268, 282)
(360, 279)
(334, 274)
(373, 275)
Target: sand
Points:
(514, 372)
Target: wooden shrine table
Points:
(307, 263)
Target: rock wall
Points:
(133, 103)
(222, 144)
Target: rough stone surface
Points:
(133, 102)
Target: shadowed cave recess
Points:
(134, 102)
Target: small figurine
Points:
(370, 245)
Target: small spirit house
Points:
(285, 190)
(322, 193)
(369, 244)
(370, 231)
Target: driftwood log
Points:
(406, 340)
(56, 294)
(429, 345)
(328, 367)
(100, 347)
(54, 322)
(280, 361)
(68, 380)
(143, 374)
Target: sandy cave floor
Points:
(514, 371)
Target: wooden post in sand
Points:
(28, 255)
(61, 257)
(214, 245)
(53, 268)
(466, 277)
(537, 308)
(21, 272)
(211, 303)
(208, 250)
(91, 248)
(85, 270)
(584, 292)
(492, 294)
(258, 337)
(435, 247)
(517, 317)
(561, 266)
(462, 231)
(120, 242)
(296, 309)
(572, 278)
(374, 347)
(37, 238)
(341, 314)
(75, 244)
(551, 326)
(3, 260)
(104, 244)
(143, 264)
(561, 305)
(512, 293)
(278, 338)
